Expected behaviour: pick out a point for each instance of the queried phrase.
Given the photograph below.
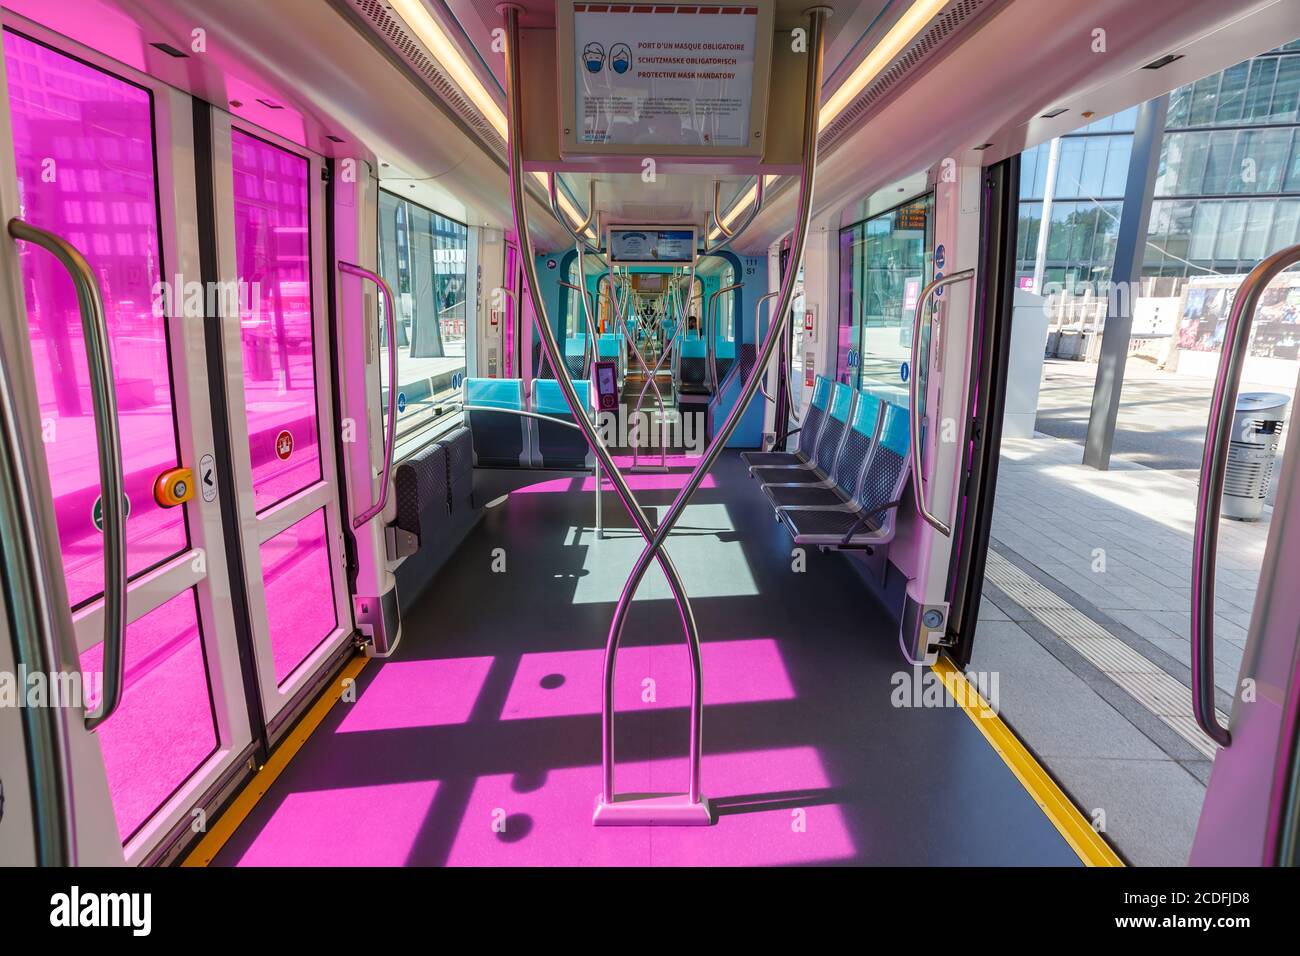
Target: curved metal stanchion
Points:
(1214, 466)
(654, 378)
(689, 808)
(758, 307)
(589, 350)
(576, 232)
(913, 387)
(551, 346)
(620, 315)
(711, 332)
(654, 547)
(729, 235)
(390, 434)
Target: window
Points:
(422, 256)
(886, 261)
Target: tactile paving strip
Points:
(1168, 699)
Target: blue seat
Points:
(500, 439)
(692, 376)
(554, 445)
(724, 354)
(873, 517)
(575, 354)
(853, 456)
(829, 441)
(807, 432)
(609, 348)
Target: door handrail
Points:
(710, 325)
(103, 396)
(758, 307)
(913, 387)
(1214, 464)
(390, 435)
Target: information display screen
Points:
(673, 246)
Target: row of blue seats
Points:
(506, 440)
(609, 348)
(843, 484)
(691, 362)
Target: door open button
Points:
(173, 487)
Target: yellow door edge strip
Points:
(1069, 821)
(225, 825)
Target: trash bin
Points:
(1256, 430)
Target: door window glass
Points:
(273, 254)
(83, 146)
(887, 263)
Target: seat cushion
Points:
(807, 496)
(788, 476)
(769, 459)
(421, 482)
(818, 523)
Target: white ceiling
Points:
(987, 85)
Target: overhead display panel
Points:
(637, 245)
(675, 79)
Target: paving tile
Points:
(1050, 706)
(1151, 806)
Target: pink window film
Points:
(274, 265)
(83, 144)
(299, 592)
(164, 727)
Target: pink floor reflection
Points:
(551, 825)
(566, 683)
(354, 826)
(432, 693)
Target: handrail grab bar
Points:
(1214, 464)
(710, 330)
(390, 435)
(730, 235)
(758, 307)
(577, 233)
(103, 392)
(913, 390)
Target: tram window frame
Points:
(852, 237)
(447, 408)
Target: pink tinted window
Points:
(274, 262)
(164, 728)
(83, 143)
(299, 592)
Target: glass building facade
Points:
(1227, 193)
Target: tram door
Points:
(86, 168)
(103, 157)
(270, 212)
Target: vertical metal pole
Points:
(518, 201)
(600, 521)
(1130, 249)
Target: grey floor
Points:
(807, 717)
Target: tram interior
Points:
(497, 486)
